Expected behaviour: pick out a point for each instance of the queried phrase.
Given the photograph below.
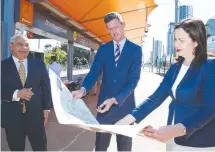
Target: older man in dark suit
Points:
(26, 97)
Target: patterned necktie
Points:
(117, 54)
(22, 76)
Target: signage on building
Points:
(75, 35)
(48, 23)
(80, 39)
(26, 12)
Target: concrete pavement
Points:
(68, 138)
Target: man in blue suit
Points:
(26, 97)
(120, 63)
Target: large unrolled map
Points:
(76, 113)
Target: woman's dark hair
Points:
(197, 32)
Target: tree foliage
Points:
(76, 61)
(84, 61)
(80, 55)
(61, 56)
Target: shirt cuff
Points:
(84, 90)
(115, 101)
(15, 98)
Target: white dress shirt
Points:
(121, 45)
(25, 63)
(180, 76)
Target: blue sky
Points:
(165, 13)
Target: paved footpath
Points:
(68, 138)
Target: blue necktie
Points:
(117, 54)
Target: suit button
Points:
(114, 81)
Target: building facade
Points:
(157, 51)
(170, 39)
(210, 27)
(185, 12)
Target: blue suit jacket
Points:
(194, 105)
(38, 80)
(118, 82)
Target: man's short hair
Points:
(112, 15)
(16, 36)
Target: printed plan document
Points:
(76, 113)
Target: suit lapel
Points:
(30, 73)
(188, 74)
(15, 72)
(174, 76)
(112, 52)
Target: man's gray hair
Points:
(16, 36)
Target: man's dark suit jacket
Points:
(194, 105)
(118, 82)
(37, 79)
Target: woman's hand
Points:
(165, 133)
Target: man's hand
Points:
(46, 116)
(25, 93)
(105, 106)
(78, 94)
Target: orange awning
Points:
(90, 14)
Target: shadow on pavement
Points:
(64, 137)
